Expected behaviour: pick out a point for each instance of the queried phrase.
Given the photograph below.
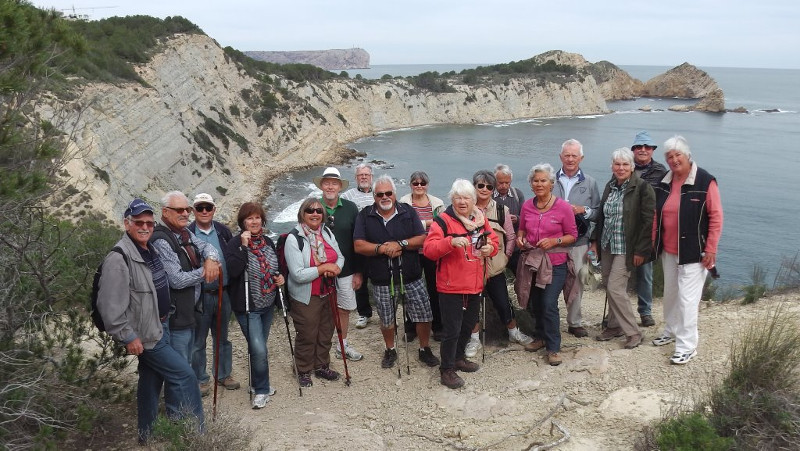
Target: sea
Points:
(752, 155)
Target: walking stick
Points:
(331, 282)
(216, 345)
(394, 307)
(247, 322)
(403, 300)
(483, 314)
(604, 323)
(282, 300)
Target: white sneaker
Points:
(472, 348)
(516, 336)
(682, 359)
(663, 340)
(362, 322)
(351, 353)
(260, 401)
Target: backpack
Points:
(279, 249)
(97, 319)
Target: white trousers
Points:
(683, 287)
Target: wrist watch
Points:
(558, 241)
(213, 258)
(403, 243)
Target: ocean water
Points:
(752, 155)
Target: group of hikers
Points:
(165, 285)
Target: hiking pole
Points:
(483, 314)
(247, 315)
(403, 300)
(394, 306)
(282, 300)
(331, 282)
(604, 323)
(216, 345)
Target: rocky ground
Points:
(600, 398)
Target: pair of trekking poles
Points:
(401, 295)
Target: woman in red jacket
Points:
(460, 240)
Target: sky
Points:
(710, 33)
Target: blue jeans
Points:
(183, 342)
(206, 321)
(255, 328)
(644, 288)
(543, 305)
(163, 366)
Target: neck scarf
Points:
(475, 222)
(258, 246)
(317, 244)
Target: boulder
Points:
(685, 81)
(615, 83)
(714, 102)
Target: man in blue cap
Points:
(652, 172)
(134, 302)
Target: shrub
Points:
(688, 433)
(757, 289)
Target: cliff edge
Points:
(333, 59)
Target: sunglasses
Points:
(385, 193)
(203, 207)
(641, 146)
(310, 211)
(140, 223)
(181, 210)
(483, 185)
(419, 183)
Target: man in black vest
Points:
(188, 262)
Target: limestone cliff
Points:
(615, 83)
(333, 59)
(192, 127)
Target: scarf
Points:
(317, 243)
(476, 223)
(258, 246)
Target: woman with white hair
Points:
(624, 226)
(546, 229)
(687, 228)
(460, 240)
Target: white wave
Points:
(589, 116)
(289, 213)
(402, 129)
(511, 122)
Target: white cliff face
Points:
(144, 141)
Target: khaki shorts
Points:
(345, 294)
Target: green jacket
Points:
(638, 208)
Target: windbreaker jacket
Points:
(301, 273)
(454, 274)
(127, 298)
(584, 192)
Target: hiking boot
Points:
(426, 356)
(663, 340)
(648, 321)
(450, 379)
(389, 357)
(326, 373)
(610, 334)
(516, 336)
(229, 383)
(633, 341)
(259, 401)
(472, 348)
(535, 345)
(683, 358)
(553, 358)
(362, 322)
(350, 352)
(205, 389)
(579, 331)
(466, 366)
(305, 379)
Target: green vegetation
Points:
(757, 289)
(294, 72)
(689, 433)
(432, 82)
(526, 67)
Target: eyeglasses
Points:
(181, 210)
(385, 193)
(140, 223)
(204, 207)
(483, 185)
(310, 211)
(330, 221)
(642, 146)
(419, 183)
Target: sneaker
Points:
(229, 383)
(362, 322)
(326, 373)
(516, 336)
(684, 358)
(472, 348)
(579, 331)
(205, 389)
(663, 340)
(535, 345)
(260, 401)
(466, 366)
(450, 379)
(305, 379)
(648, 321)
(389, 357)
(426, 356)
(610, 334)
(553, 358)
(633, 341)
(272, 391)
(351, 353)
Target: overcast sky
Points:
(728, 33)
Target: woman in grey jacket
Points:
(314, 260)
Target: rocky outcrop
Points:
(615, 83)
(192, 126)
(333, 59)
(714, 102)
(685, 82)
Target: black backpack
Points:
(96, 318)
(279, 249)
